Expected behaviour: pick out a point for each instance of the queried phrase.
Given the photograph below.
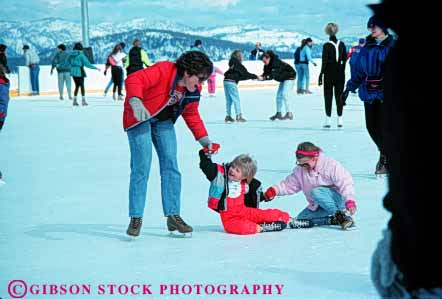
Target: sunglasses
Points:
(305, 164)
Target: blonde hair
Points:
(247, 165)
(331, 29)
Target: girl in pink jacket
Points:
(212, 81)
(326, 184)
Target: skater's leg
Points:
(238, 225)
(372, 122)
(268, 215)
(164, 140)
(307, 77)
(328, 95)
(211, 85)
(60, 77)
(67, 78)
(287, 94)
(339, 88)
(301, 77)
(140, 144)
(108, 86)
(328, 199)
(279, 97)
(82, 86)
(228, 93)
(77, 82)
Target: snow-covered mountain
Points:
(277, 39)
(163, 39)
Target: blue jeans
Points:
(284, 95)
(34, 71)
(329, 201)
(232, 96)
(141, 137)
(108, 85)
(304, 76)
(299, 81)
(301, 76)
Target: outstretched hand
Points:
(270, 194)
(211, 149)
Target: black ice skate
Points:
(273, 226)
(381, 166)
(342, 220)
(175, 222)
(277, 116)
(300, 223)
(1, 179)
(134, 226)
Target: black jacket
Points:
(135, 62)
(415, 214)
(331, 67)
(237, 72)
(278, 70)
(210, 169)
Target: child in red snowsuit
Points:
(235, 194)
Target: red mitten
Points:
(212, 148)
(270, 193)
(350, 205)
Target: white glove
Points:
(140, 112)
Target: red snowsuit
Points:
(242, 220)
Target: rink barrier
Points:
(95, 81)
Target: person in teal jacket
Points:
(78, 61)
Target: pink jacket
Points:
(327, 173)
(215, 71)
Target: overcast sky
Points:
(297, 15)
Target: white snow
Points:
(63, 209)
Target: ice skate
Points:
(341, 219)
(288, 116)
(75, 103)
(83, 102)
(229, 119)
(272, 226)
(240, 119)
(134, 226)
(176, 223)
(381, 166)
(340, 122)
(327, 122)
(300, 223)
(278, 116)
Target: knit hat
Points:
(375, 21)
(25, 47)
(362, 41)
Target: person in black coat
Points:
(278, 70)
(334, 57)
(236, 72)
(3, 58)
(256, 53)
(407, 261)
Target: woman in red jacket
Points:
(155, 98)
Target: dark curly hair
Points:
(194, 63)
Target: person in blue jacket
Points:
(367, 77)
(305, 59)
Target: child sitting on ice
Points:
(327, 185)
(235, 194)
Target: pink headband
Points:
(308, 153)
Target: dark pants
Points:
(117, 78)
(79, 82)
(374, 123)
(335, 83)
